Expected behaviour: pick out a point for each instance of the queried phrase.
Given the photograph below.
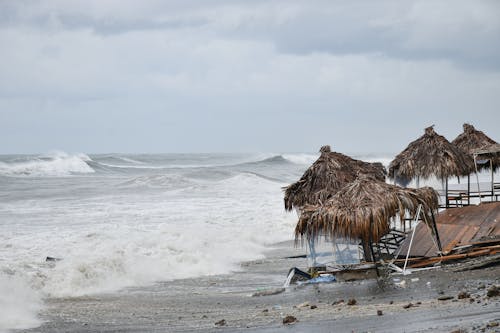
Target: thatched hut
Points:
(471, 141)
(363, 210)
(430, 155)
(326, 176)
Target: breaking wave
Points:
(52, 165)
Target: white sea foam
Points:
(108, 243)
(51, 165)
(19, 303)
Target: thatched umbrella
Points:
(472, 141)
(326, 176)
(430, 155)
(363, 210)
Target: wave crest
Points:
(55, 164)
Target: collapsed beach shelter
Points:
(363, 209)
(430, 155)
(326, 176)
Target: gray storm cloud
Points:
(269, 75)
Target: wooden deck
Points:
(470, 225)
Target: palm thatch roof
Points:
(326, 176)
(430, 155)
(472, 140)
(363, 209)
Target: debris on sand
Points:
(463, 294)
(445, 298)
(493, 291)
(289, 320)
(352, 301)
(221, 322)
(407, 306)
(340, 301)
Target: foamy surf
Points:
(56, 164)
(122, 228)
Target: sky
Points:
(173, 76)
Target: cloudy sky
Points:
(244, 76)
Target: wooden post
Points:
(492, 182)
(446, 193)
(371, 246)
(468, 189)
(434, 226)
(477, 178)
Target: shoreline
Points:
(197, 304)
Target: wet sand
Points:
(196, 305)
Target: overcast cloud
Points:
(237, 76)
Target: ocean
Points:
(113, 221)
(117, 221)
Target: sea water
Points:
(115, 221)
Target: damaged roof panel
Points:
(457, 227)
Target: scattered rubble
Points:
(289, 320)
(221, 322)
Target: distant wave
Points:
(285, 158)
(305, 159)
(157, 180)
(55, 164)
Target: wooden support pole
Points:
(446, 193)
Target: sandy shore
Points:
(196, 305)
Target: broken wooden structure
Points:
(465, 232)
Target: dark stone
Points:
(221, 322)
(463, 294)
(407, 306)
(379, 312)
(289, 320)
(340, 301)
(391, 302)
(313, 307)
(352, 301)
(493, 291)
(265, 310)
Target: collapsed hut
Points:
(430, 155)
(329, 173)
(363, 210)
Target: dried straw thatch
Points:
(363, 209)
(326, 176)
(472, 140)
(430, 155)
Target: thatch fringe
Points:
(430, 155)
(363, 210)
(330, 172)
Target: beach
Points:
(224, 303)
